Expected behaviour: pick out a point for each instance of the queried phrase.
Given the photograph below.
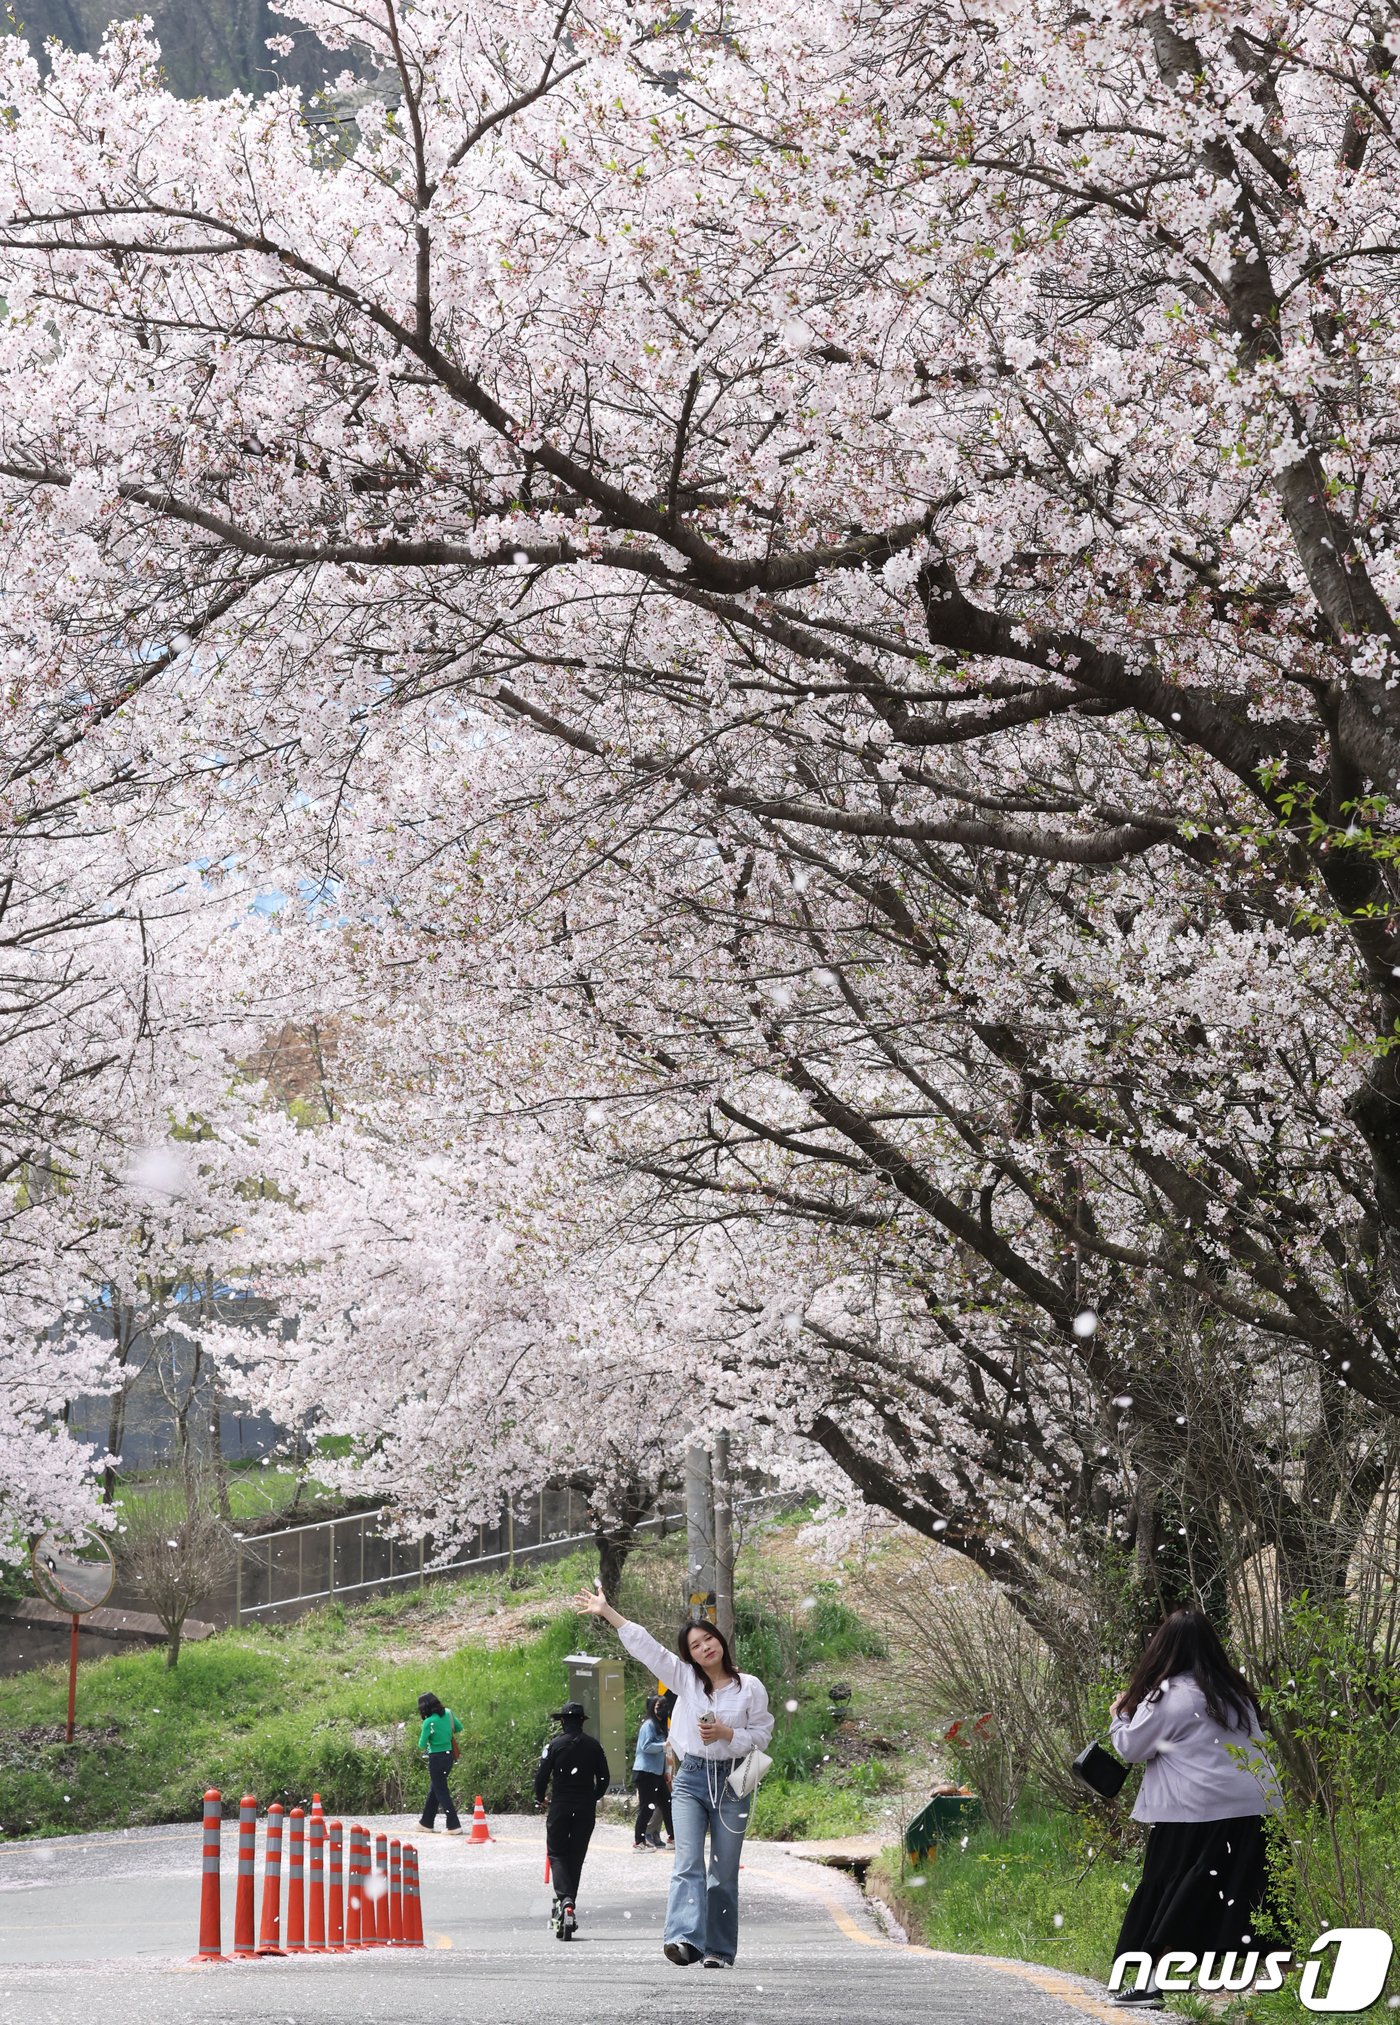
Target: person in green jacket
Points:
(440, 1726)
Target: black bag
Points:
(1100, 1771)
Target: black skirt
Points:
(1203, 1882)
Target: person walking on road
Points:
(720, 1716)
(649, 1767)
(437, 1743)
(573, 1770)
(1191, 1719)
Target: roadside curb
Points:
(1077, 1991)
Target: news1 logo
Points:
(1359, 1968)
(1358, 1972)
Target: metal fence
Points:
(291, 1571)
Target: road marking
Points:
(1051, 1982)
(850, 1927)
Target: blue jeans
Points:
(703, 1907)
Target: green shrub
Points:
(1335, 1851)
(794, 1810)
(326, 1705)
(831, 1630)
(1003, 1896)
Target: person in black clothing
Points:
(573, 1769)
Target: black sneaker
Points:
(681, 1953)
(1140, 2000)
(717, 1962)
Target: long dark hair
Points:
(429, 1705)
(1187, 1642)
(683, 1651)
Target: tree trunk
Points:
(216, 1437)
(614, 1545)
(122, 1339)
(1179, 1557)
(172, 1649)
(182, 1426)
(116, 1424)
(216, 1453)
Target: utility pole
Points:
(723, 1495)
(700, 1535)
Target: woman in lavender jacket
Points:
(1191, 1720)
(720, 1716)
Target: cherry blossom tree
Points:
(139, 1165)
(848, 556)
(445, 1320)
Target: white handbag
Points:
(744, 1779)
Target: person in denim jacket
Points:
(649, 1769)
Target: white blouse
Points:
(743, 1704)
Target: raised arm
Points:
(593, 1603)
(638, 1641)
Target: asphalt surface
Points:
(98, 1930)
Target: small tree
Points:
(174, 1548)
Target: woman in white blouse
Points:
(720, 1716)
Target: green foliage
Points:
(832, 1799)
(254, 1492)
(831, 1630)
(1002, 1896)
(326, 1704)
(1336, 1842)
(783, 1646)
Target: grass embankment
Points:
(1042, 1894)
(815, 1789)
(328, 1705)
(258, 1494)
(1046, 1892)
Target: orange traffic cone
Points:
(247, 1856)
(480, 1832)
(412, 1905)
(210, 1944)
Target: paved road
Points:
(97, 1930)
